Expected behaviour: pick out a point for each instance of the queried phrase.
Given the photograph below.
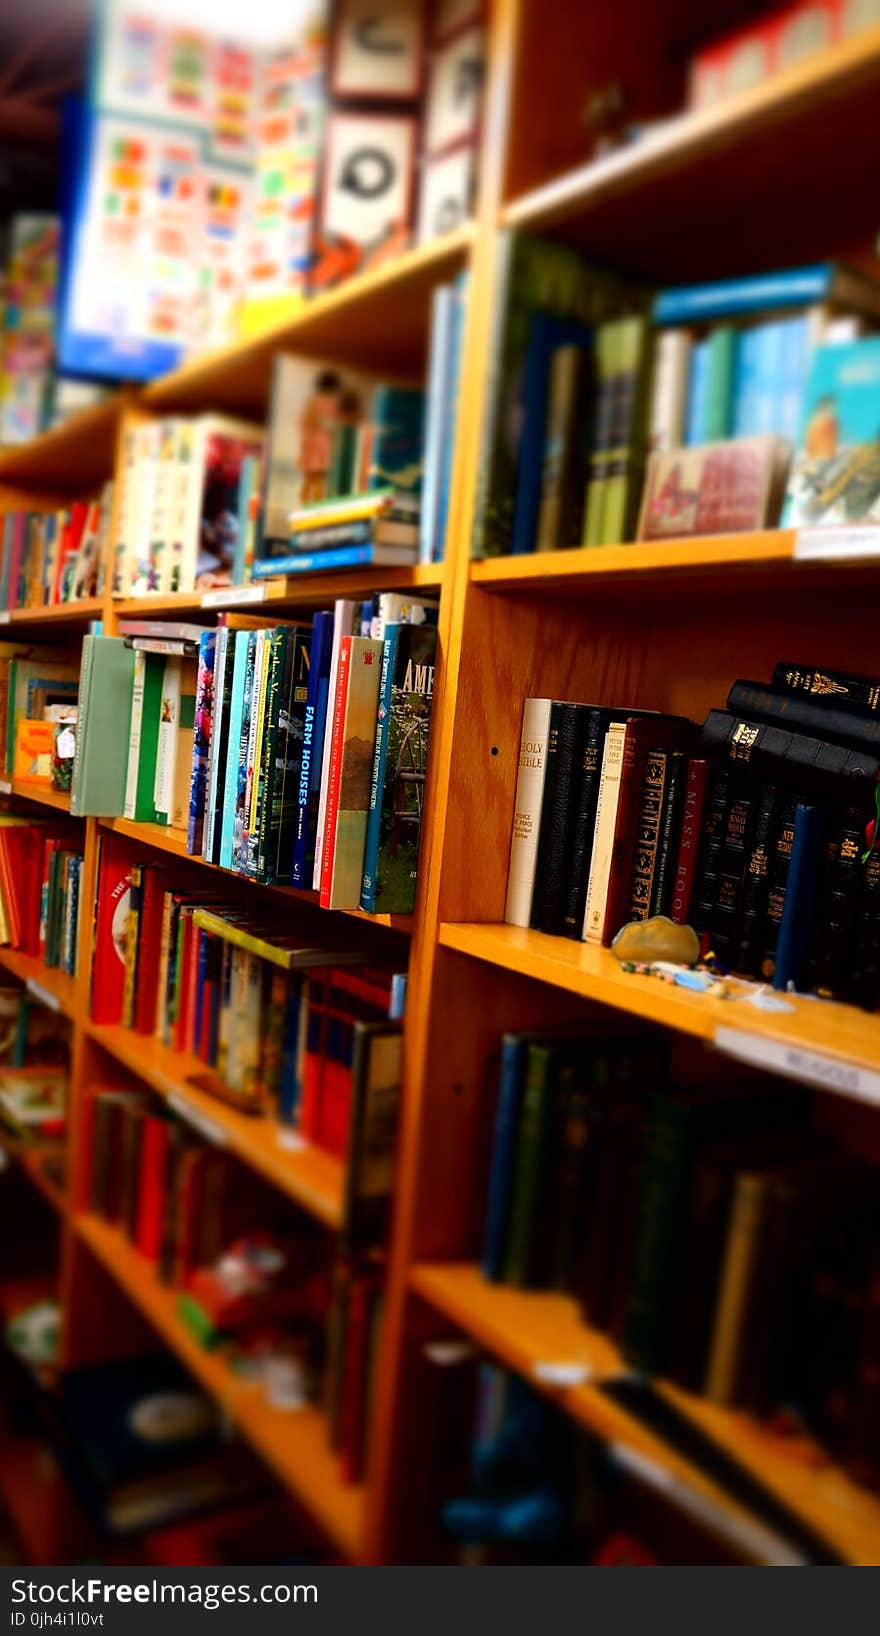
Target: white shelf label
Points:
(233, 596)
(291, 1140)
(44, 995)
(796, 1062)
(562, 1374)
(199, 1121)
(838, 542)
(5, 786)
(5, 616)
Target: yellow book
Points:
(34, 748)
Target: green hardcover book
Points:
(607, 347)
(354, 775)
(720, 382)
(143, 743)
(625, 455)
(372, 1133)
(100, 764)
(533, 275)
(400, 777)
(533, 1142)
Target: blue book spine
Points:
(231, 777)
(398, 996)
(800, 892)
(745, 381)
(246, 481)
(698, 394)
(436, 412)
(796, 363)
(351, 556)
(312, 752)
(200, 1021)
(377, 782)
(769, 378)
(455, 354)
(700, 303)
(503, 1152)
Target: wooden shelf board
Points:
(293, 1444)
(60, 613)
(72, 458)
(42, 794)
(173, 842)
(758, 157)
(57, 986)
(525, 1330)
(376, 320)
(686, 562)
(32, 1158)
(840, 1032)
(296, 591)
(312, 1178)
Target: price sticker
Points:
(841, 543)
(43, 995)
(562, 1374)
(233, 596)
(199, 1122)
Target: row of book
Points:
(711, 1230)
(290, 754)
(254, 1280)
(757, 828)
(591, 374)
(41, 864)
(53, 557)
(269, 1017)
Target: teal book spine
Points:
(236, 704)
(377, 781)
(720, 383)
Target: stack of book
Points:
(291, 754)
(758, 828)
(271, 1019)
(53, 557)
(590, 376)
(710, 1229)
(39, 687)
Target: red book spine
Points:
(193, 997)
(108, 970)
(334, 771)
(181, 1021)
(313, 1057)
(151, 1193)
(10, 898)
(689, 844)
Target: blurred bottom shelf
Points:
(533, 1332)
(294, 1445)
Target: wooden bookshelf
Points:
(843, 1038)
(39, 793)
(306, 1174)
(293, 1444)
(774, 176)
(533, 1333)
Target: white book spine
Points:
(527, 811)
(603, 834)
(343, 614)
(134, 736)
(669, 391)
(166, 753)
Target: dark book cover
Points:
(670, 829)
(747, 948)
(780, 858)
(644, 734)
(733, 857)
(308, 786)
(837, 902)
(583, 823)
(816, 763)
(565, 746)
(845, 692)
(406, 765)
(647, 834)
(863, 982)
(805, 715)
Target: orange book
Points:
(34, 748)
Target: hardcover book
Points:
(836, 473)
(720, 488)
(406, 733)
